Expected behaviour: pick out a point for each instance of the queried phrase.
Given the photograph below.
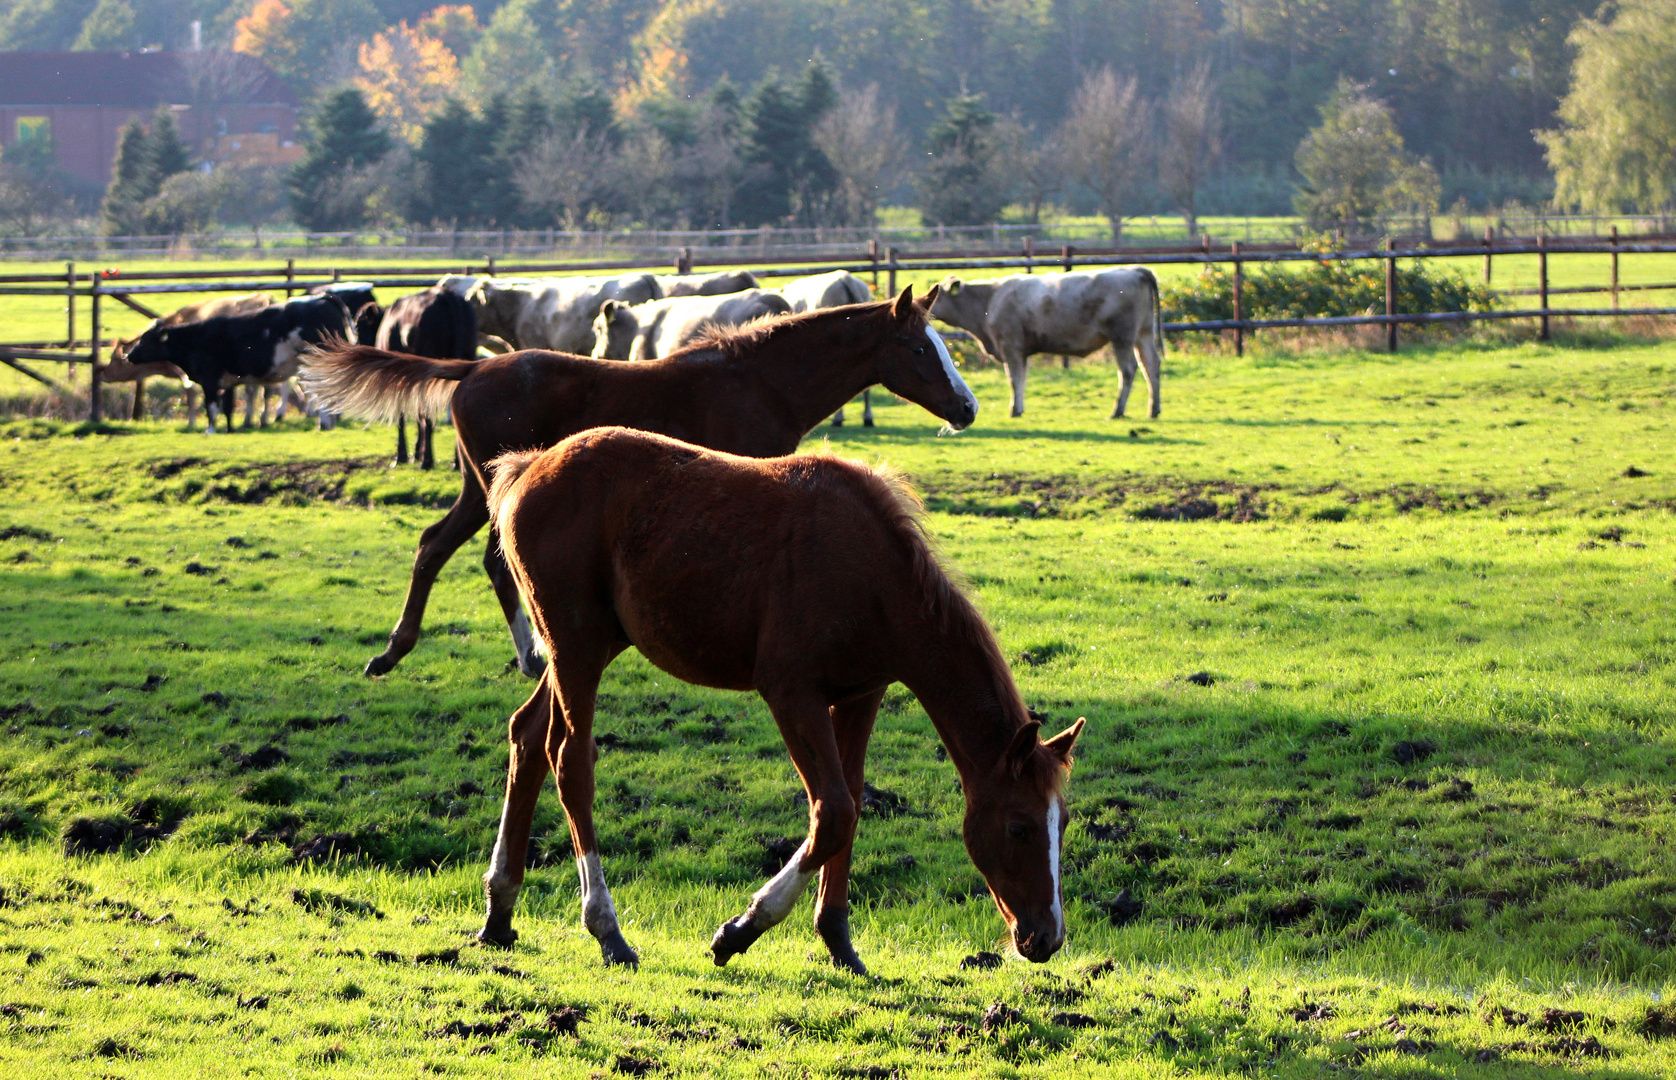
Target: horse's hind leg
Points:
(852, 723)
(524, 643)
(867, 407)
(526, 768)
(401, 439)
(572, 753)
(806, 727)
(469, 513)
(424, 432)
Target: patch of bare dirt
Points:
(1047, 496)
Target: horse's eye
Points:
(919, 350)
(1018, 830)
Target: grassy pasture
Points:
(1373, 650)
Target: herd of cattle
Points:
(257, 344)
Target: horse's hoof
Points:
(732, 939)
(381, 664)
(851, 963)
(533, 667)
(617, 951)
(498, 938)
(837, 423)
(867, 423)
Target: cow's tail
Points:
(1157, 312)
(858, 291)
(359, 380)
(506, 471)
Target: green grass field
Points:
(1375, 656)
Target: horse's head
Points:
(1015, 831)
(915, 364)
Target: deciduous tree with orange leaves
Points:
(406, 77)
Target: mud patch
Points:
(1021, 495)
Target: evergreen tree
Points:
(109, 26)
(344, 142)
(131, 183)
(464, 177)
(168, 154)
(960, 185)
(786, 175)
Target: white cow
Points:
(1072, 314)
(717, 284)
(648, 331)
(548, 313)
(834, 289)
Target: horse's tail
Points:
(506, 470)
(359, 380)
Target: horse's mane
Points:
(731, 341)
(942, 591)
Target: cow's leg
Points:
(1152, 363)
(573, 754)
(229, 405)
(1018, 369)
(867, 407)
(526, 768)
(524, 643)
(191, 390)
(249, 406)
(469, 513)
(838, 417)
(852, 723)
(425, 431)
(806, 725)
(401, 438)
(1126, 379)
(284, 390)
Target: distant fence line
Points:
(654, 246)
(883, 263)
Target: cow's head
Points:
(614, 329)
(497, 308)
(151, 347)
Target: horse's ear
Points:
(904, 305)
(1063, 743)
(930, 297)
(1022, 747)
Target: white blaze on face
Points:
(1054, 828)
(949, 368)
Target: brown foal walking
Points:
(807, 579)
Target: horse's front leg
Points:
(573, 753)
(526, 768)
(852, 723)
(807, 730)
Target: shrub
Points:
(1320, 290)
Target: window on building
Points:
(30, 128)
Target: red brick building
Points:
(81, 100)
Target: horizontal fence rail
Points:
(883, 262)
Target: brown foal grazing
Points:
(754, 390)
(807, 579)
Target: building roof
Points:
(139, 80)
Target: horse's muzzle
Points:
(1039, 946)
(961, 416)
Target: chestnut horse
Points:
(754, 390)
(808, 579)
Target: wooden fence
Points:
(881, 263)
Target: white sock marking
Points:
(1053, 830)
(599, 914)
(523, 638)
(774, 901)
(948, 366)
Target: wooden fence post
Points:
(1614, 268)
(1067, 255)
(1239, 301)
(95, 411)
(69, 305)
(873, 257)
(1029, 255)
(1542, 280)
(1390, 295)
(1489, 240)
(290, 276)
(890, 275)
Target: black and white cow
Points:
(260, 347)
(437, 323)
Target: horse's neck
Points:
(819, 364)
(969, 695)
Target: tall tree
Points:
(1355, 167)
(786, 178)
(1616, 145)
(964, 183)
(1107, 137)
(110, 25)
(132, 182)
(1192, 121)
(33, 189)
(406, 77)
(168, 154)
(860, 138)
(330, 187)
